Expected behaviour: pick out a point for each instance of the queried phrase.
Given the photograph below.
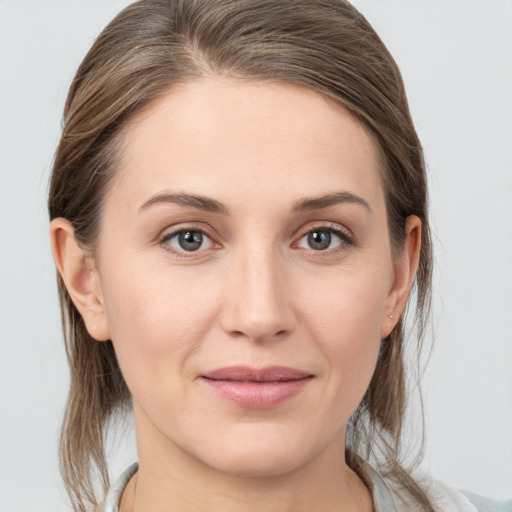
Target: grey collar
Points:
(381, 494)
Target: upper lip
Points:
(268, 374)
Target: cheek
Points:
(348, 306)
(345, 319)
(157, 320)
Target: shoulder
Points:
(466, 500)
(484, 504)
(444, 498)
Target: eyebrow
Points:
(200, 202)
(317, 203)
(211, 205)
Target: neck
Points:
(171, 480)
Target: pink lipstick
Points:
(257, 388)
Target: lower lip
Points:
(257, 395)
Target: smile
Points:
(257, 388)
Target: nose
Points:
(257, 302)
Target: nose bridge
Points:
(258, 304)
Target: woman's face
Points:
(246, 274)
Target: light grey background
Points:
(456, 58)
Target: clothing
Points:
(386, 497)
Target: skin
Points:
(256, 293)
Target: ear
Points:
(405, 266)
(81, 278)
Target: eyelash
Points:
(167, 237)
(346, 240)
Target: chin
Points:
(264, 454)
(257, 463)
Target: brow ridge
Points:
(195, 201)
(317, 203)
(211, 205)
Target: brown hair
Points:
(323, 45)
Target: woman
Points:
(238, 208)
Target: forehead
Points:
(213, 136)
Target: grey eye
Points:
(189, 241)
(319, 240)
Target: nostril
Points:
(257, 312)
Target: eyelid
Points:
(171, 231)
(345, 234)
(327, 226)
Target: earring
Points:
(391, 318)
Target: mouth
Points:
(257, 388)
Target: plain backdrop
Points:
(456, 59)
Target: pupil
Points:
(190, 240)
(319, 240)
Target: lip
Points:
(257, 388)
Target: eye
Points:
(322, 239)
(188, 240)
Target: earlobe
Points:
(80, 277)
(405, 267)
